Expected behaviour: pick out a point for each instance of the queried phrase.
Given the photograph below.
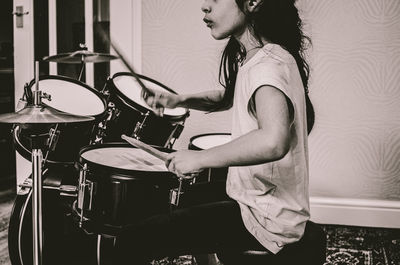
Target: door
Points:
(23, 64)
(7, 162)
(51, 27)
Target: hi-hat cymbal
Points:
(81, 56)
(41, 114)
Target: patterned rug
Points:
(346, 245)
(362, 245)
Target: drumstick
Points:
(145, 147)
(106, 39)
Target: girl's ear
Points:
(253, 5)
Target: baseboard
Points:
(355, 212)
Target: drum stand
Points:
(37, 160)
(37, 114)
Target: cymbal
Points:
(41, 114)
(80, 56)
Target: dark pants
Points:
(210, 225)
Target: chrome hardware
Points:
(46, 96)
(102, 125)
(139, 126)
(104, 90)
(86, 191)
(54, 134)
(175, 194)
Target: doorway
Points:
(7, 162)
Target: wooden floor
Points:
(345, 245)
(6, 203)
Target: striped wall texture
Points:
(355, 86)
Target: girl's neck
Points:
(250, 43)
(248, 40)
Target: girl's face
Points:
(224, 18)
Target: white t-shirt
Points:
(273, 197)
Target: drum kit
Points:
(71, 133)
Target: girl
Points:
(265, 78)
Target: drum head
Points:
(128, 86)
(122, 157)
(70, 96)
(206, 141)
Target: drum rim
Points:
(125, 172)
(139, 107)
(71, 80)
(194, 147)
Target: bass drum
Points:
(63, 242)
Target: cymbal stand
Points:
(82, 68)
(83, 47)
(37, 160)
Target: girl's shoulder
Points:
(278, 53)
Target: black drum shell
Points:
(156, 131)
(210, 174)
(72, 136)
(122, 197)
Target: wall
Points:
(179, 52)
(355, 145)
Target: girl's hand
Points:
(184, 163)
(158, 100)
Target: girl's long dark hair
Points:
(277, 21)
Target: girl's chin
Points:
(218, 36)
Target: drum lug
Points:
(86, 191)
(140, 125)
(175, 194)
(112, 113)
(101, 132)
(53, 139)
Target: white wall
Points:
(355, 145)
(179, 52)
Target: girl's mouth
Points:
(208, 22)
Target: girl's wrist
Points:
(180, 101)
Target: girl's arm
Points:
(269, 142)
(204, 101)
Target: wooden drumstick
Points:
(107, 40)
(160, 155)
(145, 147)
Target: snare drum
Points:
(130, 115)
(63, 141)
(120, 184)
(206, 141)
